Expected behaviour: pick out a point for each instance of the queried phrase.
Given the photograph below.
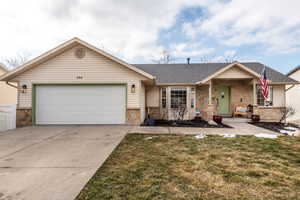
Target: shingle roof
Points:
(2, 66)
(192, 73)
(293, 70)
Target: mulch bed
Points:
(201, 123)
(273, 126)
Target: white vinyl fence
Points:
(7, 117)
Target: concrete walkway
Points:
(239, 127)
(53, 162)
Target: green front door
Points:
(224, 100)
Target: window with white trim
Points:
(260, 99)
(163, 97)
(178, 97)
(193, 92)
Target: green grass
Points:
(178, 167)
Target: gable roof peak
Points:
(61, 48)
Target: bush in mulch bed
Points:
(274, 126)
(201, 123)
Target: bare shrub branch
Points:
(179, 112)
(164, 58)
(286, 113)
(18, 60)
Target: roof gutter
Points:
(174, 84)
(290, 87)
(11, 85)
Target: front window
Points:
(260, 99)
(178, 97)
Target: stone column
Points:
(210, 111)
(24, 117)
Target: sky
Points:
(139, 31)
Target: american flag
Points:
(264, 84)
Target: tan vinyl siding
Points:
(235, 73)
(293, 96)
(143, 102)
(93, 68)
(279, 96)
(153, 96)
(8, 94)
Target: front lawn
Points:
(179, 167)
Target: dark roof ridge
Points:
(192, 63)
(195, 72)
(293, 70)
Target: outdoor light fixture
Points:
(24, 88)
(132, 88)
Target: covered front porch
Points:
(239, 98)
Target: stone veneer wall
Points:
(269, 114)
(133, 117)
(154, 112)
(24, 117)
(157, 112)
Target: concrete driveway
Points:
(53, 162)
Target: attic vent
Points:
(80, 53)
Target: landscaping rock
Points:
(212, 123)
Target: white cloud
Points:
(184, 50)
(230, 53)
(273, 23)
(129, 28)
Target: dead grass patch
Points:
(182, 167)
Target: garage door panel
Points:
(86, 104)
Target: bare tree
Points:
(179, 112)
(13, 62)
(164, 58)
(286, 113)
(215, 58)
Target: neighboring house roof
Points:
(61, 48)
(293, 70)
(3, 67)
(196, 72)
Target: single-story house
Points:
(77, 83)
(8, 93)
(293, 95)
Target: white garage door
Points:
(80, 104)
